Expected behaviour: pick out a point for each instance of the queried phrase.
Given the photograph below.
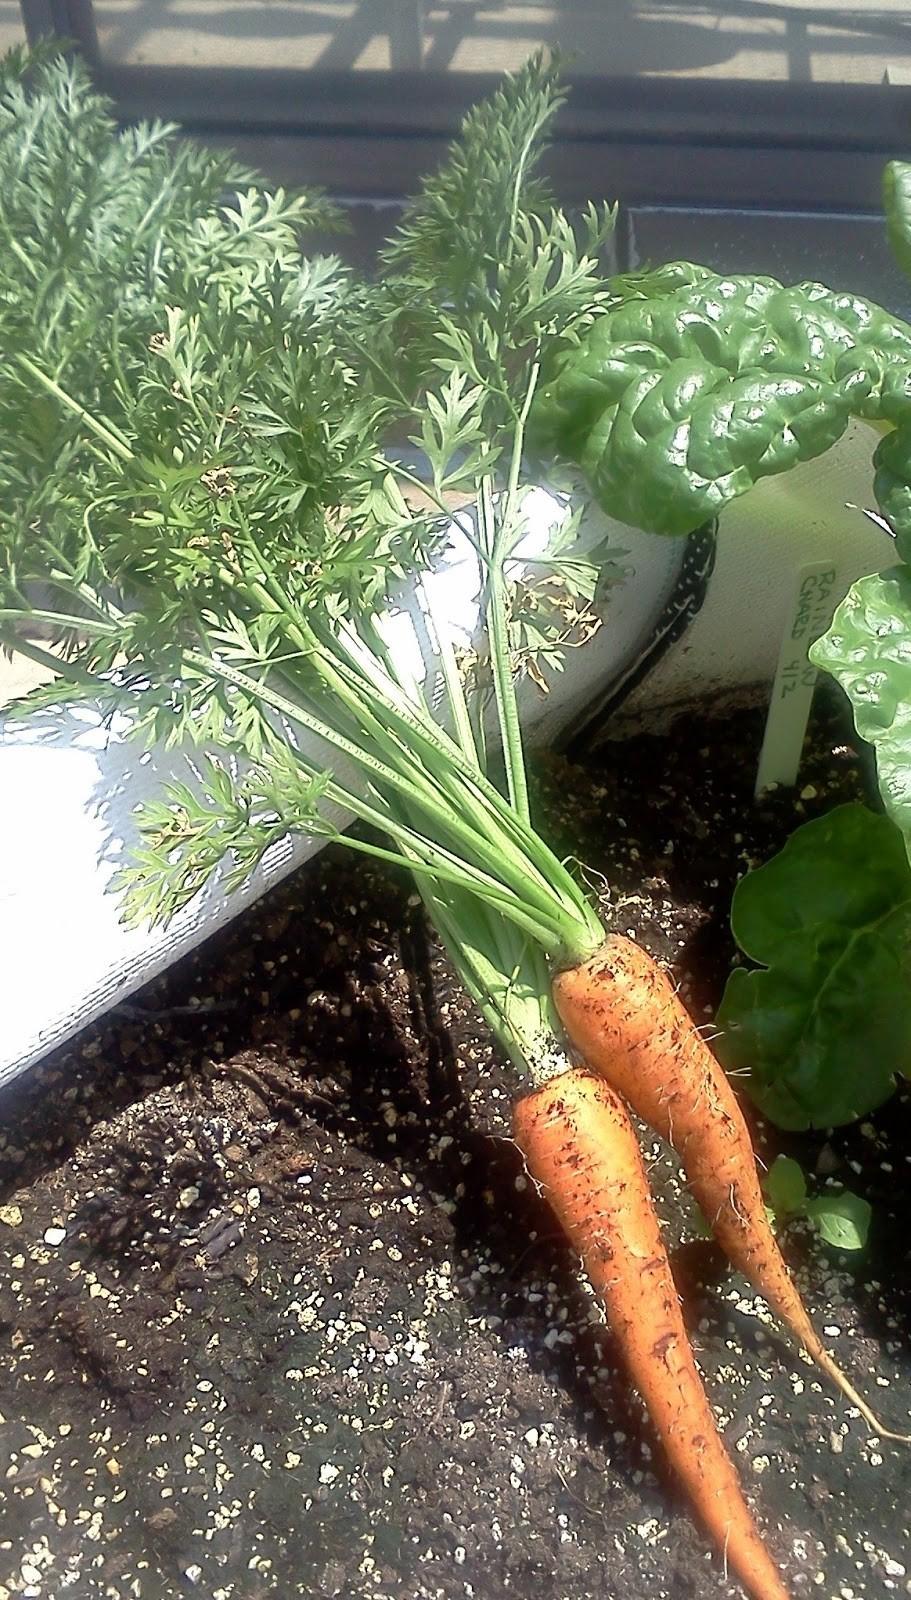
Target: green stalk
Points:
(455, 692)
(512, 996)
(487, 809)
(501, 665)
(45, 658)
(102, 430)
(574, 930)
(60, 619)
(527, 854)
(452, 771)
(478, 840)
(498, 541)
(543, 936)
(456, 869)
(474, 975)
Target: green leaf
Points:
(464, 213)
(825, 1028)
(785, 1186)
(868, 651)
(892, 484)
(675, 403)
(842, 1219)
(483, 240)
(897, 202)
(451, 427)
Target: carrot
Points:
(580, 1145)
(624, 1017)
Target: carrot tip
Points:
(830, 1366)
(881, 1431)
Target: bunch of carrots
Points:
(641, 1049)
(212, 613)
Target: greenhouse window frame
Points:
(658, 140)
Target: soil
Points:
(280, 1314)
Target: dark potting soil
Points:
(280, 1314)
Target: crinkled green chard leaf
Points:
(675, 403)
(892, 485)
(868, 651)
(897, 203)
(823, 1030)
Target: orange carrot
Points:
(624, 1017)
(580, 1145)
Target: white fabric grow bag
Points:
(67, 792)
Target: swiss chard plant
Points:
(819, 1027)
(868, 647)
(825, 1030)
(694, 385)
(679, 398)
(697, 385)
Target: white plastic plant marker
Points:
(69, 788)
(816, 595)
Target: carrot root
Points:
(623, 1015)
(826, 1363)
(580, 1145)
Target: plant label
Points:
(815, 597)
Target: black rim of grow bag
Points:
(683, 606)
